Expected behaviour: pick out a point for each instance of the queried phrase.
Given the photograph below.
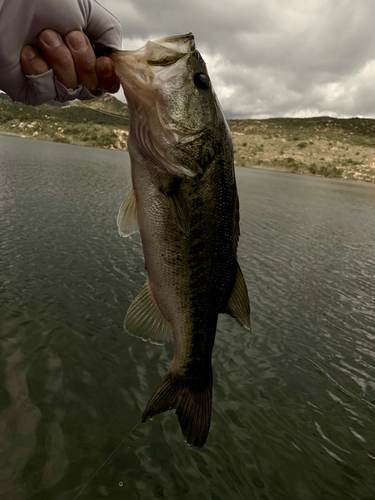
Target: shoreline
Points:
(306, 174)
(320, 146)
(256, 167)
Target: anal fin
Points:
(145, 320)
(238, 305)
(127, 220)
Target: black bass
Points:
(185, 202)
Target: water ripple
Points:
(294, 400)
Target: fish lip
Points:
(185, 41)
(136, 75)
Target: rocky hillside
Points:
(76, 123)
(323, 146)
(329, 147)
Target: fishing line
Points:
(104, 112)
(110, 456)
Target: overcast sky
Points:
(271, 57)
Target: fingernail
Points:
(51, 38)
(29, 52)
(78, 42)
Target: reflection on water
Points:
(294, 401)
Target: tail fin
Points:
(192, 402)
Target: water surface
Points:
(294, 400)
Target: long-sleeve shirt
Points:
(21, 21)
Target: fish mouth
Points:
(141, 73)
(136, 68)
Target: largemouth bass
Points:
(185, 202)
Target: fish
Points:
(185, 204)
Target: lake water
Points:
(293, 402)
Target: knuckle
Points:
(88, 66)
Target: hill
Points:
(75, 123)
(329, 147)
(324, 146)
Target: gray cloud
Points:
(271, 57)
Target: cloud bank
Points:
(271, 58)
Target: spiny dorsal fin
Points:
(238, 305)
(236, 221)
(144, 319)
(179, 209)
(192, 403)
(127, 221)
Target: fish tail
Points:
(192, 401)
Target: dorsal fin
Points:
(236, 221)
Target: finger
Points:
(32, 62)
(84, 59)
(105, 69)
(59, 58)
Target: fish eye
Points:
(201, 81)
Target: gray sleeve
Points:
(21, 21)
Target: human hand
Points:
(72, 60)
(51, 66)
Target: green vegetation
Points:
(329, 147)
(75, 123)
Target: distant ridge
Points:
(107, 103)
(324, 146)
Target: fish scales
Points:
(185, 202)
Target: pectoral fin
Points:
(179, 209)
(145, 320)
(238, 305)
(127, 221)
